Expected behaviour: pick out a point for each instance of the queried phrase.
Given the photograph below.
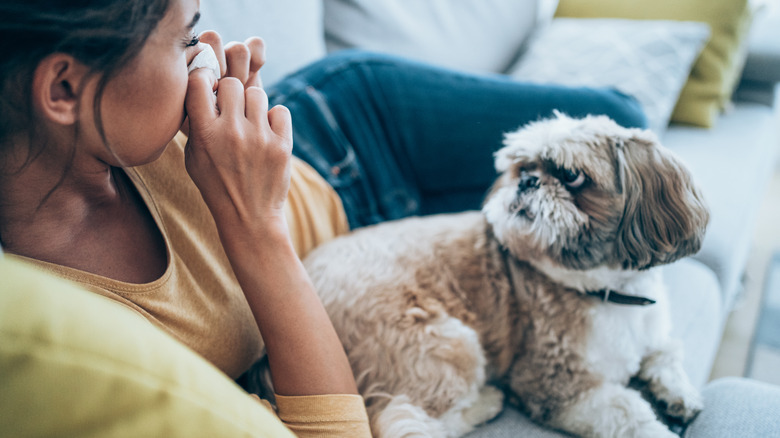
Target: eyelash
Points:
(192, 41)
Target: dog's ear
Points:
(504, 158)
(664, 215)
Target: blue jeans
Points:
(397, 138)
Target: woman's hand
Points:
(239, 156)
(242, 61)
(238, 152)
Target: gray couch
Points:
(732, 161)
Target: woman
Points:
(190, 231)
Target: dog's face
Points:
(587, 192)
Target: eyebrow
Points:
(194, 21)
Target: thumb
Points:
(280, 120)
(199, 101)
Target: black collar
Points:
(604, 294)
(618, 298)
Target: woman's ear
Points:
(56, 86)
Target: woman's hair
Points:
(104, 35)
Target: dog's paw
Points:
(681, 405)
(402, 418)
(489, 404)
(674, 394)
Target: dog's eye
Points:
(573, 179)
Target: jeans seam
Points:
(296, 86)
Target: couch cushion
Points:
(717, 70)
(736, 407)
(697, 318)
(74, 363)
(732, 163)
(471, 35)
(292, 30)
(511, 424)
(647, 59)
(763, 62)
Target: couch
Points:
(109, 373)
(732, 154)
(732, 158)
(731, 149)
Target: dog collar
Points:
(618, 298)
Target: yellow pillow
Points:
(73, 363)
(715, 73)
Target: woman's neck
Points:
(49, 200)
(93, 222)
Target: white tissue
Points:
(205, 59)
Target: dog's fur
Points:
(435, 311)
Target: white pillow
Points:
(292, 30)
(648, 59)
(470, 35)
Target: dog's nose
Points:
(528, 182)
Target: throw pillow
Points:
(763, 64)
(470, 35)
(74, 363)
(647, 59)
(292, 30)
(717, 70)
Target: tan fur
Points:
(664, 216)
(431, 310)
(545, 377)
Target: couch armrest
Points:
(738, 407)
(763, 61)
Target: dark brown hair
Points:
(104, 35)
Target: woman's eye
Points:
(573, 179)
(193, 41)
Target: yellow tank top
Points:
(197, 299)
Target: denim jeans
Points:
(397, 138)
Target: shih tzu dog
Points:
(550, 293)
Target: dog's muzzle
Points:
(527, 182)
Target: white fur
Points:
(621, 336)
(424, 372)
(612, 411)
(403, 419)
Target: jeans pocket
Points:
(339, 155)
(320, 141)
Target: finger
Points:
(185, 127)
(254, 80)
(281, 121)
(238, 57)
(199, 101)
(230, 97)
(256, 47)
(213, 39)
(256, 105)
(257, 58)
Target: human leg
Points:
(398, 138)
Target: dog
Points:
(550, 296)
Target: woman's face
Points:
(143, 105)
